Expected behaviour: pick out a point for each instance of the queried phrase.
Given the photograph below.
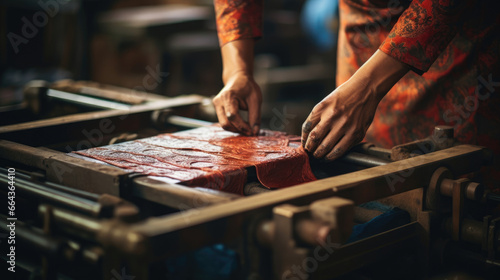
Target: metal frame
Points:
(154, 239)
(210, 217)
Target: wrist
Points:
(237, 59)
(236, 74)
(379, 74)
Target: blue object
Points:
(218, 262)
(391, 218)
(317, 18)
(215, 262)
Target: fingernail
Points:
(255, 130)
(306, 127)
(309, 144)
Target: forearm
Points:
(237, 58)
(378, 75)
(342, 118)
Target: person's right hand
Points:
(240, 92)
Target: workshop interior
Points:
(101, 101)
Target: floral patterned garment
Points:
(452, 47)
(238, 19)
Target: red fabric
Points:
(423, 31)
(238, 19)
(453, 48)
(210, 157)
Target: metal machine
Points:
(86, 220)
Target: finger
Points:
(342, 146)
(254, 115)
(234, 117)
(326, 146)
(221, 115)
(317, 135)
(311, 121)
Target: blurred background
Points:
(167, 47)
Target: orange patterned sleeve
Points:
(423, 31)
(238, 19)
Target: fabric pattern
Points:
(454, 52)
(238, 19)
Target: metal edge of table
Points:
(164, 234)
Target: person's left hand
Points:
(339, 121)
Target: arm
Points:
(238, 25)
(424, 30)
(341, 119)
(421, 33)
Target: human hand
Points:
(241, 92)
(339, 121)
